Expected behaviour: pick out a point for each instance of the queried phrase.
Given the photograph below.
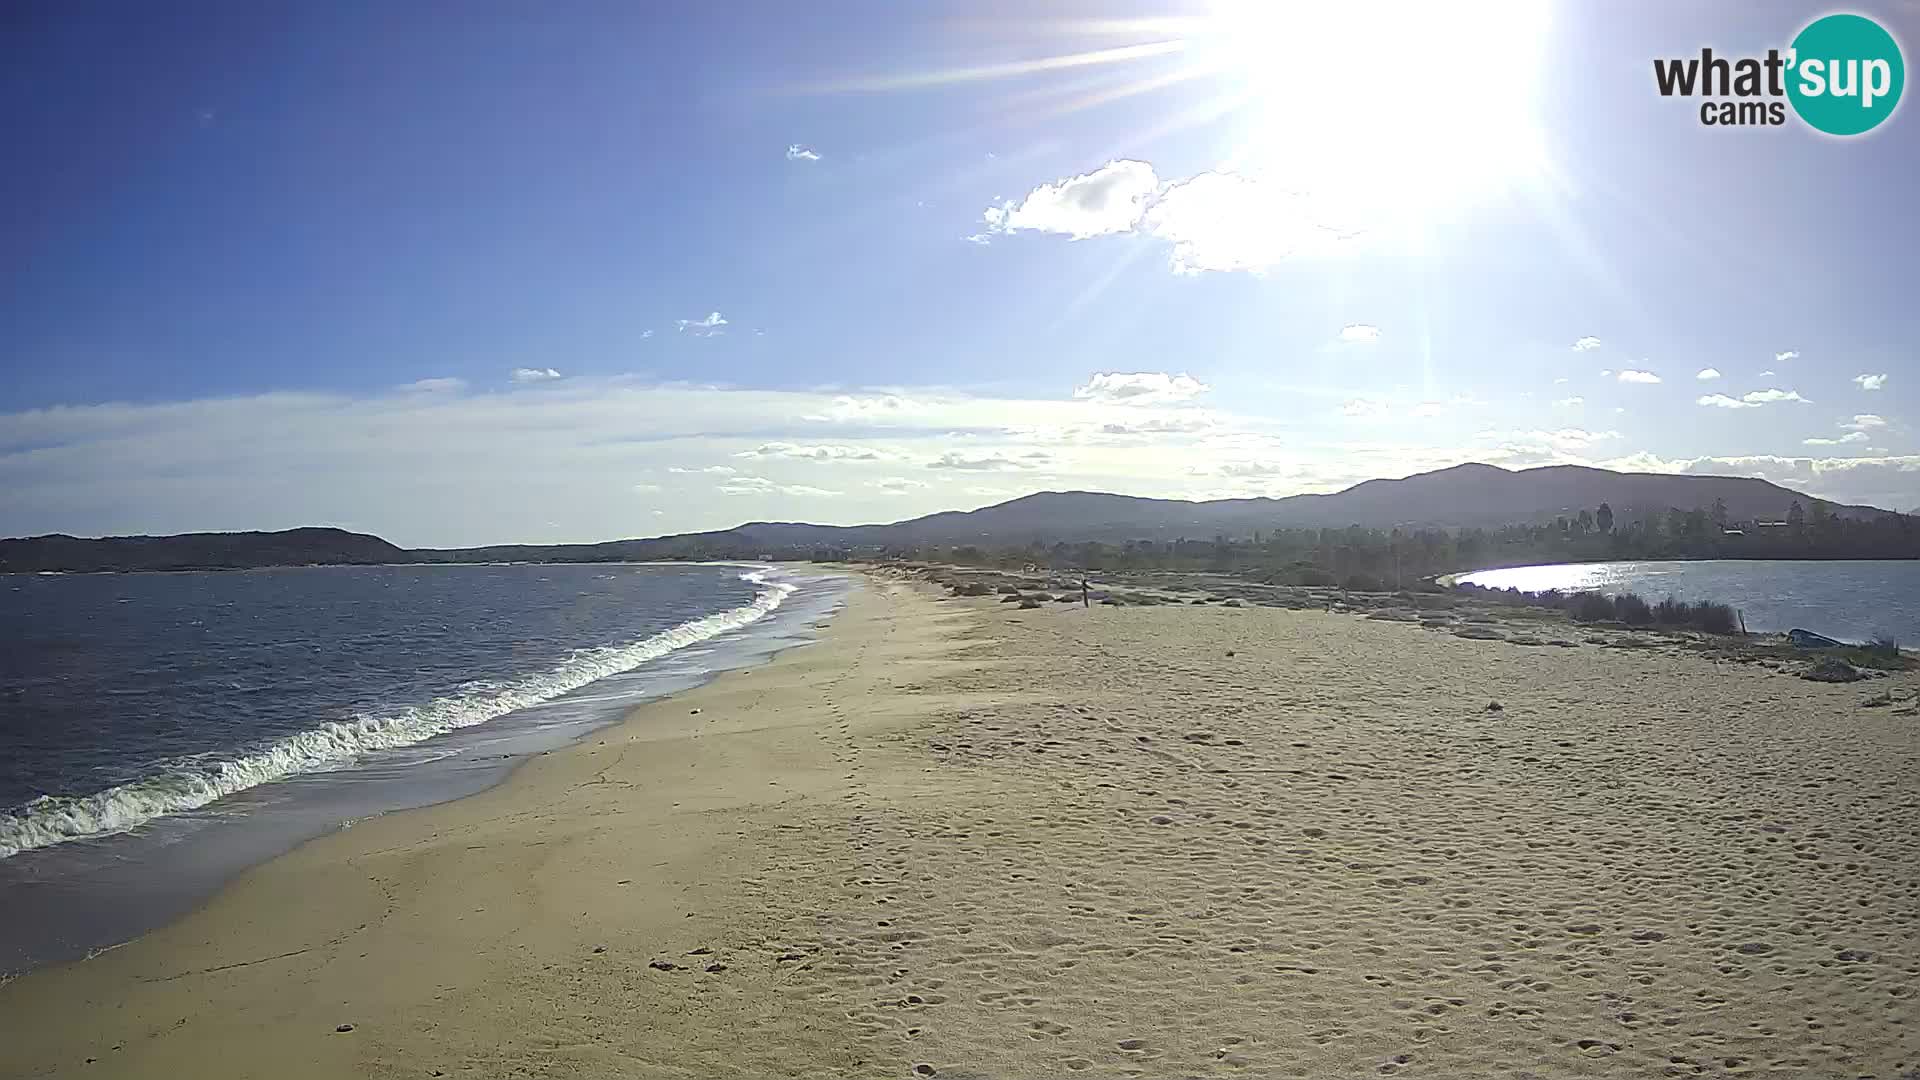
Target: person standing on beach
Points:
(1086, 594)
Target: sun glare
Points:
(1395, 107)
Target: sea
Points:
(1858, 601)
(161, 732)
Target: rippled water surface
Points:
(1852, 601)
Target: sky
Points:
(496, 272)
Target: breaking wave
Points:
(191, 783)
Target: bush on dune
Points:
(1592, 607)
(1632, 610)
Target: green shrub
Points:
(1592, 607)
(1632, 610)
(1715, 618)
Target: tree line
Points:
(1361, 558)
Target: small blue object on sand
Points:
(1807, 639)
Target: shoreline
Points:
(66, 900)
(300, 918)
(1151, 841)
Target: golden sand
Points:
(962, 840)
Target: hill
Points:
(1471, 495)
(1464, 496)
(195, 551)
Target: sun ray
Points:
(987, 72)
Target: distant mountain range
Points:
(1471, 495)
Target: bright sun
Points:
(1395, 108)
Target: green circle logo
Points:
(1846, 74)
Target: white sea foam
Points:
(188, 785)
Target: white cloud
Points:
(1360, 333)
(1891, 482)
(897, 485)
(1706, 373)
(1761, 397)
(954, 459)
(645, 334)
(982, 239)
(819, 452)
(760, 485)
(713, 324)
(1850, 437)
(747, 485)
(1249, 469)
(1224, 221)
(644, 488)
(1215, 221)
(1140, 387)
(1865, 422)
(1364, 407)
(1586, 344)
(710, 470)
(527, 374)
(1561, 439)
(1767, 374)
(1175, 422)
(1570, 402)
(437, 386)
(1871, 382)
(796, 152)
(878, 409)
(1722, 401)
(1783, 357)
(1631, 376)
(1604, 372)
(1111, 199)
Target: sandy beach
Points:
(956, 838)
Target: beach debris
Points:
(1807, 639)
(599, 948)
(1494, 706)
(1229, 652)
(701, 951)
(1832, 669)
(343, 1028)
(663, 965)
(693, 712)
(1884, 697)
(715, 969)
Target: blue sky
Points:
(475, 273)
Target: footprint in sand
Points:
(1045, 1028)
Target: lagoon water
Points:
(1853, 600)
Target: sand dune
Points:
(958, 839)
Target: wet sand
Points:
(959, 839)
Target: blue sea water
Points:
(161, 732)
(1851, 601)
